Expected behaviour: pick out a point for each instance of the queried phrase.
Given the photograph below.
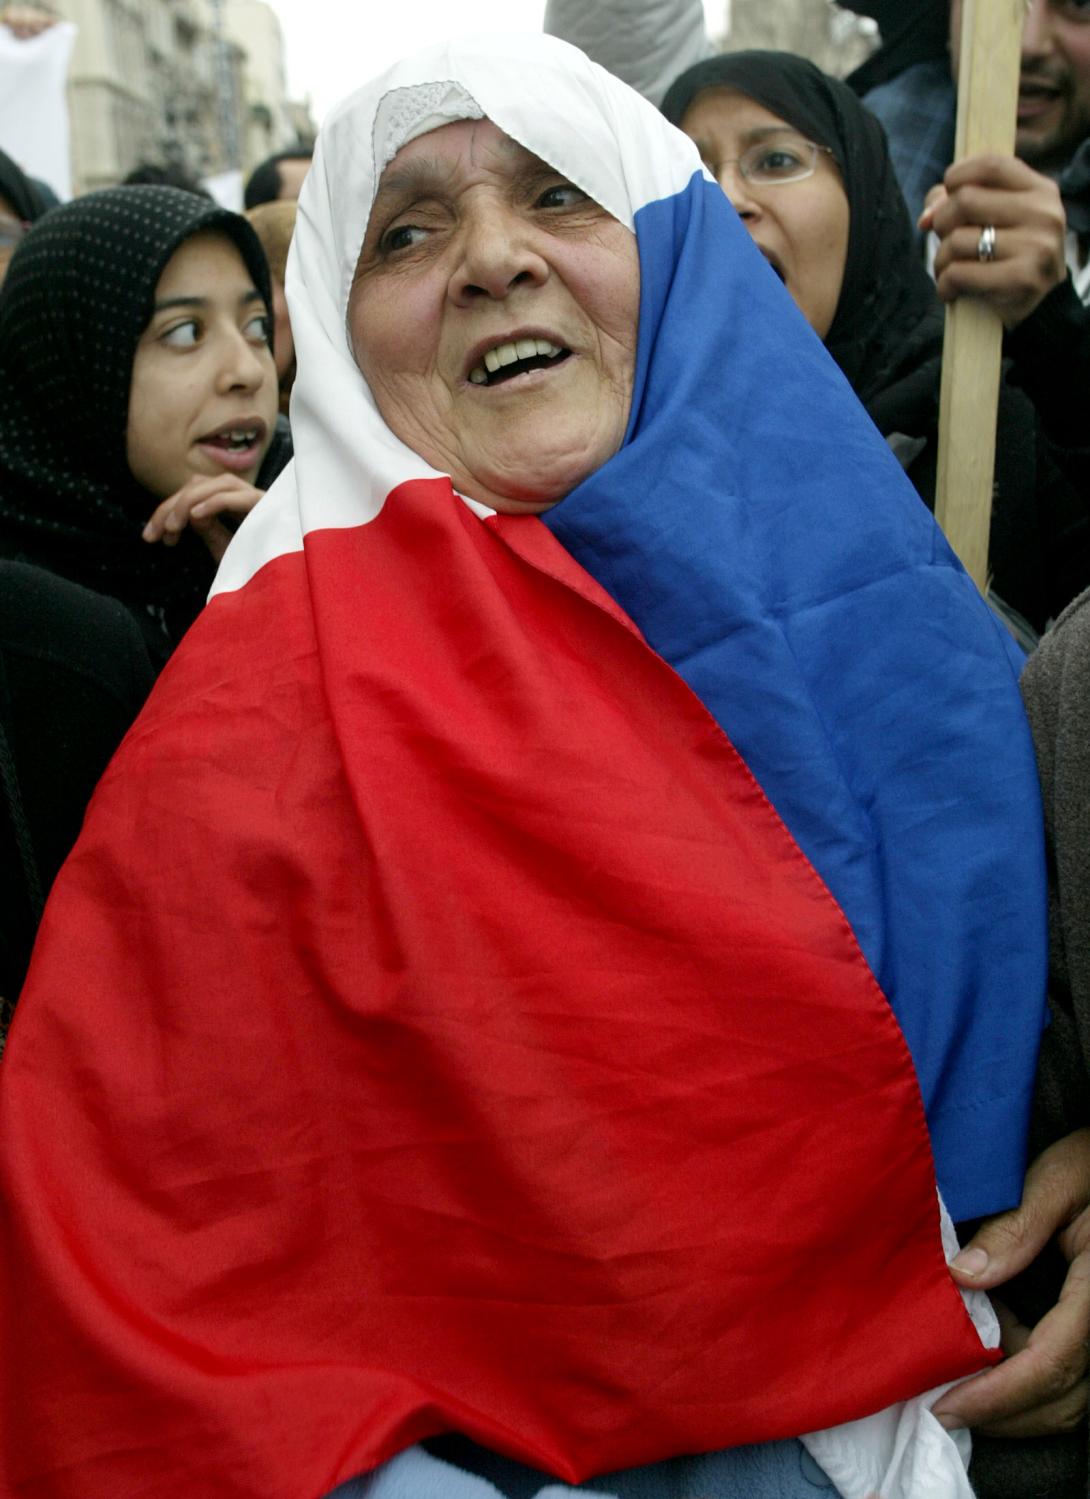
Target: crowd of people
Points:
(544, 916)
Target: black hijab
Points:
(887, 332)
(17, 189)
(78, 295)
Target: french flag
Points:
(524, 977)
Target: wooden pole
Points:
(991, 41)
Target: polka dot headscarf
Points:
(78, 296)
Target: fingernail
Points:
(949, 1423)
(971, 1261)
(146, 532)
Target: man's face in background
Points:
(1054, 85)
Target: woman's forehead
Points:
(441, 155)
(730, 108)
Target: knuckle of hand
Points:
(1069, 1414)
(1045, 266)
(1008, 1231)
(1053, 1187)
(1061, 1369)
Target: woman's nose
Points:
(737, 189)
(244, 364)
(499, 249)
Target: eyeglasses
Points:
(11, 231)
(785, 157)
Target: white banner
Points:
(34, 128)
(226, 188)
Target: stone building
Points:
(269, 119)
(198, 83)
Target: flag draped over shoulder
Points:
(508, 969)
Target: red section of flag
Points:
(435, 1027)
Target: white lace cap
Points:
(405, 113)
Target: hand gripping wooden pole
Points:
(991, 40)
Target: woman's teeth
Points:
(512, 353)
(235, 440)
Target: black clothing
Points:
(1075, 190)
(73, 675)
(1056, 689)
(78, 295)
(887, 336)
(910, 34)
(18, 190)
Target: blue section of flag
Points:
(761, 534)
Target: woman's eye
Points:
(182, 335)
(780, 160)
(400, 237)
(257, 330)
(561, 195)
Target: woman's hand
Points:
(1041, 1386)
(197, 504)
(1027, 215)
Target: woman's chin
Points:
(503, 492)
(506, 505)
(509, 493)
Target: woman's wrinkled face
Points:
(203, 399)
(801, 228)
(493, 315)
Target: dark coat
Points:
(1056, 690)
(74, 673)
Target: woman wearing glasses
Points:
(809, 172)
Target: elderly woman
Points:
(443, 1026)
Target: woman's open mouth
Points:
(236, 446)
(773, 262)
(507, 360)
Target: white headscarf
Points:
(564, 109)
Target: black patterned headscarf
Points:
(78, 295)
(888, 323)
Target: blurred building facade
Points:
(833, 38)
(196, 83)
(270, 120)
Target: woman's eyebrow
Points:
(762, 132)
(418, 176)
(427, 174)
(253, 295)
